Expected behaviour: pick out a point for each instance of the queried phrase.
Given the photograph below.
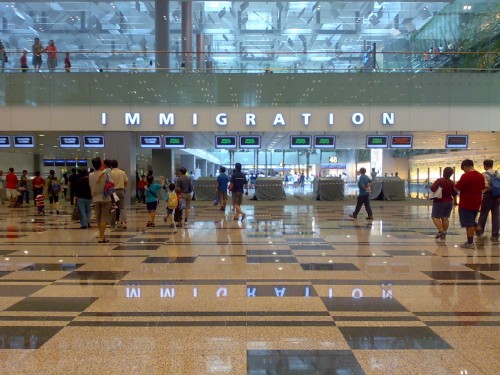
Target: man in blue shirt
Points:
(363, 196)
(239, 181)
(222, 182)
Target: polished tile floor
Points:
(296, 288)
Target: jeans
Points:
(85, 211)
(489, 204)
(25, 193)
(363, 199)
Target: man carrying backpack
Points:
(491, 202)
(53, 190)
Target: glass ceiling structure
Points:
(299, 36)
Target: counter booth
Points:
(269, 189)
(328, 188)
(388, 189)
(204, 188)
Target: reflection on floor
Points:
(296, 288)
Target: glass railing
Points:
(442, 60)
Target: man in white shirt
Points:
(102, 204)
(489, 204)
(120, 179)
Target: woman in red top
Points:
(441, 207)
(51, 56)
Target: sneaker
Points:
(243, 216)
(438, 236)
(124, 225)
(172, 225)
(164, 219)
(353, 217)
(83, 227)
(494, 239)
(467, 245)
(179, 225)
(185, 223)
(369, 218)
(148, 224)
(236, 218)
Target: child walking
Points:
(172, 203)
(181, 205)
(151, 191)
(40, 203)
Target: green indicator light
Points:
(377, 141)
(250, 141)
(226, 141)
(300, 141)
(176, 141)
(324, 141)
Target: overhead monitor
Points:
(150, 141)
(49, 162)
(60, 162)
(225, 141)
(24, 141)
(250, 141)
(174, 141)
(457, 141)
(70, 162)
(324, 141)
(69, 141)
(82, 162)
(4, 141)
(300, 141)
(96, 141)
(377, 141)
(402, 141)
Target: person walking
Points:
(11, 187)
(38, 184)
(102, 203)
(184, 184)
(441, 207)
(53, 190)
(470, 187)
(121, 181)
(239, 183)
(23, 187)
(489, 204)
(364, 183)
(82, 197)
(72, 180)
(222, 182)
(152, 193)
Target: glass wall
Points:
(257, 36)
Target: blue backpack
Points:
(495, 184)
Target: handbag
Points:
(231, 187)
(216, 199)
(76, 213)
(438, 194)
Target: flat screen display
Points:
(60, 162)
(70, 162)
(82, 162)
(457, 141)
(4, 141)
(324, 141)
(96, 141)
(174, 141)
(69, 141)
(49, 162)
(249, 141)
(225, 141)
(25, 141)
(300, 141)
(402, 141)
(377, 141)
(150, 141)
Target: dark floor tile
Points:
(363, 304)
(272, 259)
(96, 275)
(282, 290)
(382, 338)
(311, 247)
(305, 240)
(484, 267)
(457, 275)
(148, 240)
(269, 252)
(300, 362)
(264, 236)
(19, 290)
(329, 267)
(22, 337)
(76, 304)
(137, 247)
(409, 253)
(6, 252)
(170, 260)
(52, 267)
(3, 273)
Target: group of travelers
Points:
(37, 49)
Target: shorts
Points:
(187, 198)
(53, 198)
(441, 209)
(170, 211)
(102, 212)
(151, 206)
(11, 193)
(467, 217)
(222, 195)
(237, 198)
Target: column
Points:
(200, 52)
(122, 147)
(187, 35)
(210, 168)
(201, 164)
(163, 164)
(188, 162)
(162, 34)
